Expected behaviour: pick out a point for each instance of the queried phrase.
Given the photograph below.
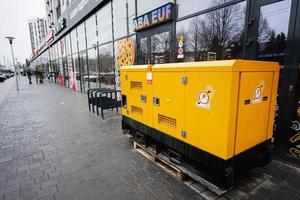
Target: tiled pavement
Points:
(52, 147)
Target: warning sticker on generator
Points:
(149, 77)
(205, 96)
(258, 92)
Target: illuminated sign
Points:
(154, 17)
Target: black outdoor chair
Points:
(92, 98)
(107, 100)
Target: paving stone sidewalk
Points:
(52, 147)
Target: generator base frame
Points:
(221, 173)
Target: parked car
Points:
(7, 73)
(2, 77)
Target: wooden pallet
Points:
(159, 161)
(177, 171)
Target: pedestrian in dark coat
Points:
(36, 73)
(29, 74)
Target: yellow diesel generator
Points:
(214, 118)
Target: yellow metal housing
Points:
(221, 107)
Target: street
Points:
(52, 147)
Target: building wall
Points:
(98, 37)
(38, 30)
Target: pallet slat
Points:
(179, 172)
(166, 166)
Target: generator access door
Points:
(253, 109)
(207, 115)
(136, 96)
(168, 102)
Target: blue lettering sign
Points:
(154, 17)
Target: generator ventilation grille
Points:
(136, 110)
(165, 120)
(136, 85)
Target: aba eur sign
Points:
(154, 17)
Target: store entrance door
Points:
(155, 45)
(269, 33)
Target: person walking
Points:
(41, 76)
(29, 74)
(36, 73)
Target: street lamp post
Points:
(10, 39)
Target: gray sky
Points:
(14, 16)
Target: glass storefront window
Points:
(216, 35)
(144, 50)
(91, 31)
(62, 47)
(160, 48)
(68, 45)
(60, 69)
(83, 71)
(81, 37)
(76, 72)
(107, 75)
(146, 6)
(65, 72)
(71, 74)
(58, 49)
(123, 13)
(55, 70)
(104, 26)
(74, 41)
(185, 8)
(93, 68)
(273, 31)
(53, 53)
(131, 15)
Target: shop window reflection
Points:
(160, 48)
(65, 72)
(144, 50)
(104, 26)
(68, 45)
(185, 8)
(93, 68)
(91, 31)
(74, 41)
(70, 71)
(216, 35)
(273, 30)
(107, 75)
(77, 71)
(81, 37)
(123, 13)
(83, 71)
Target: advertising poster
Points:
(125, 50)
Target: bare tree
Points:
(216, 30)
(264, 30)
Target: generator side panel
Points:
(208, 104)
(168, 102)
(136, 96)
(273, 105)
(255, 96)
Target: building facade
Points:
(38, 30)
(93, 38)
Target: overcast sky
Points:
(14, 16)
